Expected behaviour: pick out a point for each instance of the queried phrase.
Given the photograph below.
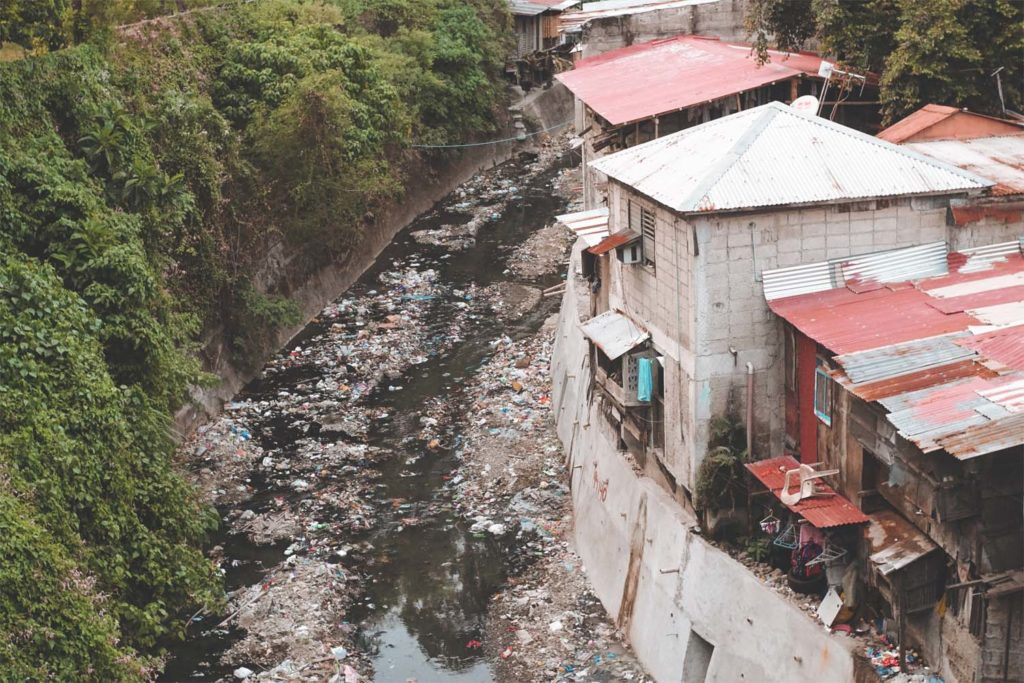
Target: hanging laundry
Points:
(645, 379)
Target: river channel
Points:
(424, 593)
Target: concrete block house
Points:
(674, 324)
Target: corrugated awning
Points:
(893, 542)
(619, 239)
(614, 333)
(590, 226)
(824, 511)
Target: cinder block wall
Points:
(704, 296)
(730, 309)
(723, 19)
(659, 299)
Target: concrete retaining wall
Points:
(691, 612)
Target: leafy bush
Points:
(142, 183)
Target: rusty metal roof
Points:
(619, 239)
(774, 156)
(590, 226)
(997, 158)
(825, 511)
(640, 81)
(944, 354)
(925, 117)
(614, 333)
(894, 265)
(893, 542)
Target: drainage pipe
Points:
(750, 411)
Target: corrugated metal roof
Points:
(638, 82)
(825, 511)
(904, 549)
(523, 8)
(983, 258)
(1004, 346)
(925, 117)
(944, 354)
(898, 265)
(902, 359)
(889, 530)
(619, 239)
(771, 156)
(614, 333)
(1000, 159)
(590, 226)
(571, 22)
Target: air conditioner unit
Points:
(632, 253)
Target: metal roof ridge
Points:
(886, 145)
(729, 159)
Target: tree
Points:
(942, 51)
(946, 51)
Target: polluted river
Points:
(362, 538)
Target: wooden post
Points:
(1006, 647)
(794, 91)
(656, 123)
(901, 621)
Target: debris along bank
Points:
(334, 472)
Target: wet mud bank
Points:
(346, 546)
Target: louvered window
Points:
(641, 221)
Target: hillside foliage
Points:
(143, 175)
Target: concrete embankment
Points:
(692, 612)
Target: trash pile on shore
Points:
(546, 625)
(296, 465)
(294, 452)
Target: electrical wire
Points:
(492, 142)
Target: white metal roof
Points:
(591, 226)
(614, 333)
(773, 155)
(999, 158)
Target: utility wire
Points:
(492, 142)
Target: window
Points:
(641, 221)
(823, 393)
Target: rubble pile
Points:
(548, 626)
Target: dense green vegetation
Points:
(940, 51)
(143, 175)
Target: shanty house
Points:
(695, 218)
(907, 375)
(535, 24)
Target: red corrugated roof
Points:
(925, 117)
(900, 344)
(845, 321)
(939, 122)
(619, 239)
(1004, 346)
(641, 81)
(824, 511)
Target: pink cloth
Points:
(811, 534)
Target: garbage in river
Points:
(368, 517)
